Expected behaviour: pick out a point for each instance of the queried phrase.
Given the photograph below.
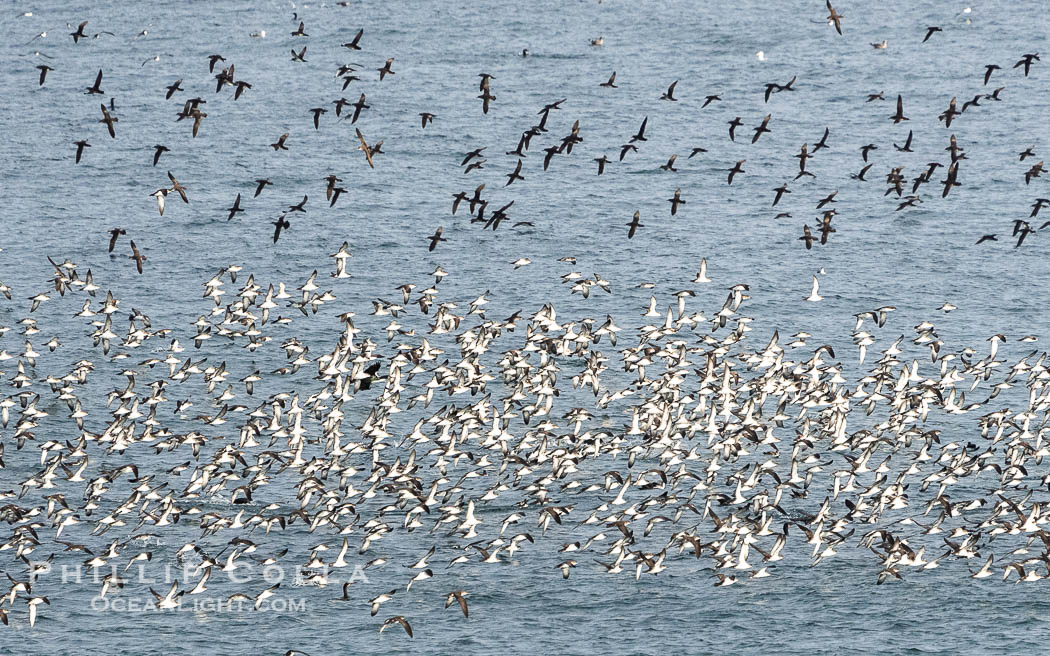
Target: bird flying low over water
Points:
(834, 18)
(634, 225)
(435, 239)
(279, 225)
(366, 149)
(109, 121)
(137, 256)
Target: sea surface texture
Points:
(582, 496)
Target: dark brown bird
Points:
(109, 121)
(353, 45)
(301, 31)
(634, 225)
(669, 166)
(301, 207)
(460, 596)
(81, 145)
(79, 34)
(331, 180)
(602, 161)
(863, 171)
(175, 186)
(1023, 232)
(909, 201)
(279, 144)
(823, 143)
(773, 87)
(235, 209)
(317, 111)
(1026, 61)
(610, 84)
(929, 33)
(736, 169)
(365, 147)
(44, 68)
(899, 115)
(458, 198)
(781, 190)
(834, 17)
(486, 98)
(476, 198)
(906, 148)
(386, 70)
(675, 201)
(397, 619)
(949, 114)
(435, 238)
(807, 237)
(240, 85)
(826, 229)
(669, 94)
(472, 154)
(197, 116)
(514, 175)
(212, 60)
(830, 198)
(299, 56)
(988, 72)
(641, 132)
(358, 106)
(137, 256)
(281, 224)
(157, 151)
(97, 86)
(115, 234)
(498, 216)
(426, 117)
(733, 125)
(951, 180)
(262, 182)
(1034, 172)
(226, 77)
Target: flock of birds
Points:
(680, 444)
(906, 190)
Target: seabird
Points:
(81, 145)
(435, 238)
(137, 256)
(634, 225)
(675, 201)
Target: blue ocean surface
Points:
(305, 501)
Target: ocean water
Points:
(915, 259)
